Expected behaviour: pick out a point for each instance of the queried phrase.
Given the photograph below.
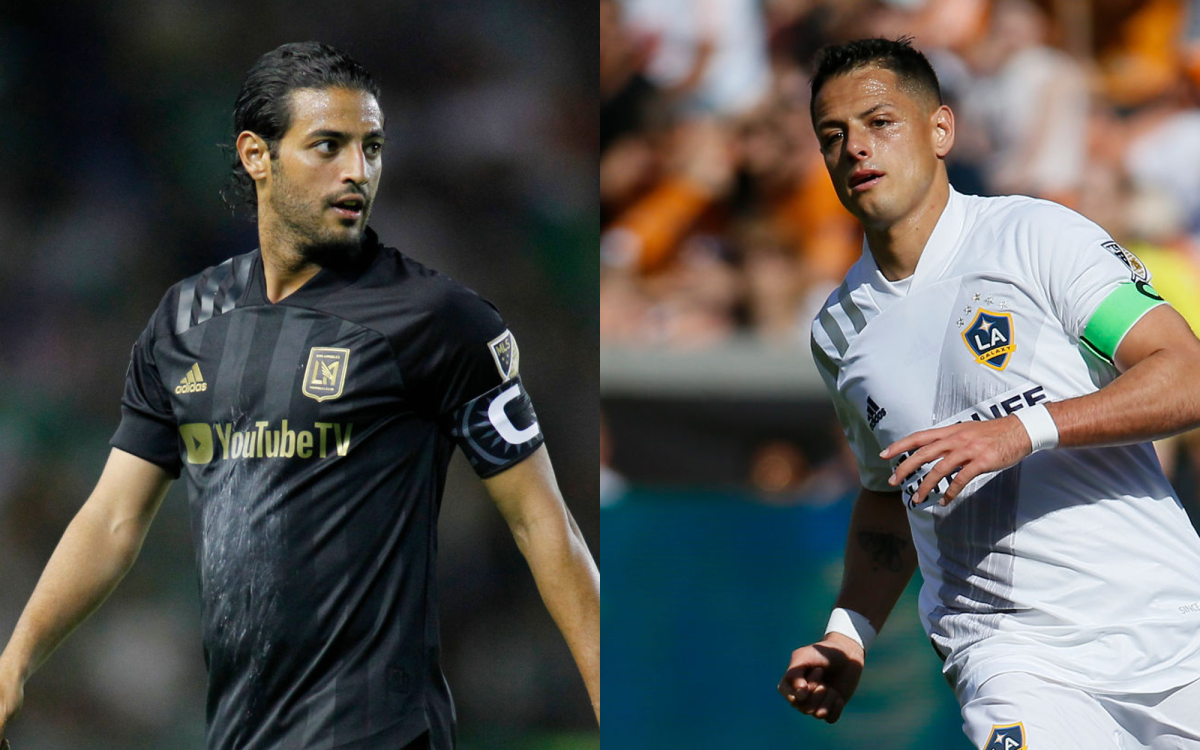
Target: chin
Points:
(333, 246)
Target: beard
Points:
(302, 217)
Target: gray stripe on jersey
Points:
(209, 292)
(183, 314)
(318, 707)
(233, 287)
(289, 355)
(857, 319)
(227, 388)
(977, 570)
(824, 363)
(833, 331)
(954, 396)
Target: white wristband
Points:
(852, 625)
(1043, 433)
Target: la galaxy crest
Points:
(325, 373)
(1006, 737)
(990, 337)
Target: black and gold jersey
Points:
(314, 434)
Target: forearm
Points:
(569, 583)
(1156, 397)
(880, 558)
(90, 559)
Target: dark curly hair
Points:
(262, 105)
(914, 72)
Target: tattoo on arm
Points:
(886, 550)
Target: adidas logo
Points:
(192, 382)
(874, 412)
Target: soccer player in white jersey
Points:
(999, 366)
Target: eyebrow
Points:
(340, 135)
(829, 121)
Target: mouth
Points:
(350, 207)
(864, 179)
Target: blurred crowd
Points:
(114, 114)
(719, 218)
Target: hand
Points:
(823, 676)
(12, 695)
(966, 450)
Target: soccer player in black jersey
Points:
(311, 393)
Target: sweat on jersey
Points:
(315, 434)
(1076, 564)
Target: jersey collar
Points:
(938, 250)
(329, 279)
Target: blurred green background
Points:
(113, 117)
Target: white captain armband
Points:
(497, 429)
(851, 624)
(1043, 433)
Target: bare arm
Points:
(880, 558)
(566, 576)
(1157, 394)
(97, 549)
(879, 563)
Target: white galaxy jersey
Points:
(1078, 564)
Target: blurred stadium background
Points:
(725, 482)
(112, 114)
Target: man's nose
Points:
(858, 146)
(354, 165)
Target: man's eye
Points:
(326, 147)
(374, 149)
(879, 122)
(831, 139)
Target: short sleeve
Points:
(148, 429)
(873, 471)
(470, 374)
(1098, 289)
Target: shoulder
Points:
(840, 319)
(1029, 220)
(199, 297)
(420, 310)
(850, 299)
(413, 290)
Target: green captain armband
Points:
(1116, 315)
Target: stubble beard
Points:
(301, 220)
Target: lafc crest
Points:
(506, 354)
(990, 337)
(325, 373)
(1006, 737)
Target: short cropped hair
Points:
(263, 104)
(912, 69)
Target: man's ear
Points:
(255, 155)
(943, 130)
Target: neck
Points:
(285, 269)
(897, 247)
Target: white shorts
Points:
(1016, 710)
